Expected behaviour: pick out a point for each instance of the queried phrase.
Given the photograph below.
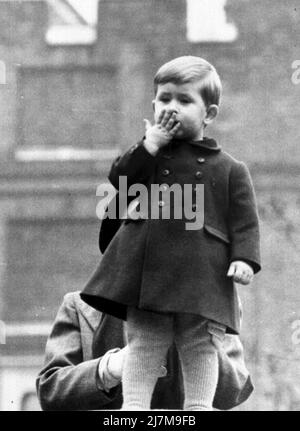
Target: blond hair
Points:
(187, 69)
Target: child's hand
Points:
(241, 272)
(161, 133)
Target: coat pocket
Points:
(217, 233)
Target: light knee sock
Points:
(199, 360)
(200, 381)
(149, 337)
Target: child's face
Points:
(185, 99)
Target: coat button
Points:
(198, 174)
(161, 203)
(166, 172)
(167, 156)
(200, 160)
(194, 207)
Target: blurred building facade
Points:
(69, 104)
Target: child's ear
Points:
(211, 113)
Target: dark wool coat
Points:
(159, 265)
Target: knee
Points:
(206, 337)
(145, 328)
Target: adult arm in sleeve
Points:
(66, 382)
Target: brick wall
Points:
(259, 116)
(258, 123)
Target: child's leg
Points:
(198, 353)
(149, 336)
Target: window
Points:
(72, 22)
(63, 109)
(30, 402)
(207, 22)
(17, 382)
(46, 258)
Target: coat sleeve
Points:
(66, 382)
(243, 218)
(137, 164)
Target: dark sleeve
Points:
(66, 382)
(137, 164)
(243, 218)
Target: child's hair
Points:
(188, 68)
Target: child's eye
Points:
(164, 99)
(185, 101)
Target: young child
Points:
(170, 283)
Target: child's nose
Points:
(173, 108)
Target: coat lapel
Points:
(89, 314)
(109, 334)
